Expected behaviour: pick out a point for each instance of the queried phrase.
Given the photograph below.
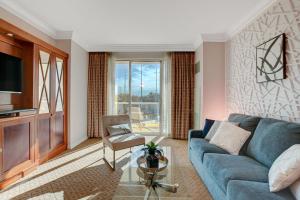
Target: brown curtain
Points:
(97, 92)
(182, 110)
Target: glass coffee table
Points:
(139, 183)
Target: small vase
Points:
(152, 160)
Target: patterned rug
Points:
(81, 173)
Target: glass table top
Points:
(134, 185)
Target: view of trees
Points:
(150, 97)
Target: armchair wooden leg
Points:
(130, 150)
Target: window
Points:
(137, 93)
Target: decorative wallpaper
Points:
(278, 99)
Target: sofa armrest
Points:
(196, 134)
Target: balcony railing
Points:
(145, 116)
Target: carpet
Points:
(81, 173)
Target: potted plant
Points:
(152, 155)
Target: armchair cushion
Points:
(118, 142)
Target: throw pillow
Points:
(208, 124)
(230, 137)
(295, 189)
(285, 169)
(118, 129)
(215, 127)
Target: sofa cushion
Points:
(247, 122)
(202, 146)
(271, 138)
(225, 167)
(250, 190)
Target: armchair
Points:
(119, 141)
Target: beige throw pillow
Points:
(118, 129)
(295, 188)
(212, 131)
(286, 169)
(230, 137)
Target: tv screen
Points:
(11, 75)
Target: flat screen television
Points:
(11, 74)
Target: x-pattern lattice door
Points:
(44, 82)
(59, 101)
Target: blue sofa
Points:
(244, 177)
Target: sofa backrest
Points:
(246, 122)
(271, 138)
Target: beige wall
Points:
(78, 96)
(279, 99)
(213, 80)
(210, 83)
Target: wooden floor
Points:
(81, 173)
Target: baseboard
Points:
(77, 142)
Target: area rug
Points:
(81, 173)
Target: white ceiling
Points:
(109, 24)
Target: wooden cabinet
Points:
(17, 142)
(51, 132)
(26, 141)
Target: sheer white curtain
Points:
(165, 96)
(111, 87)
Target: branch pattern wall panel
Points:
(278, 99)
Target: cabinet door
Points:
(16, 133)
(52, 94)
(59, 102)
(44, 102)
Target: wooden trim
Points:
(10, 41)
(35, 87)
(10, 48)
(66, 100)
(17, 169)
(65, 96)
(29, 37)
(11, 120)
(58, 150)
(5, 183)
(1, 146)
